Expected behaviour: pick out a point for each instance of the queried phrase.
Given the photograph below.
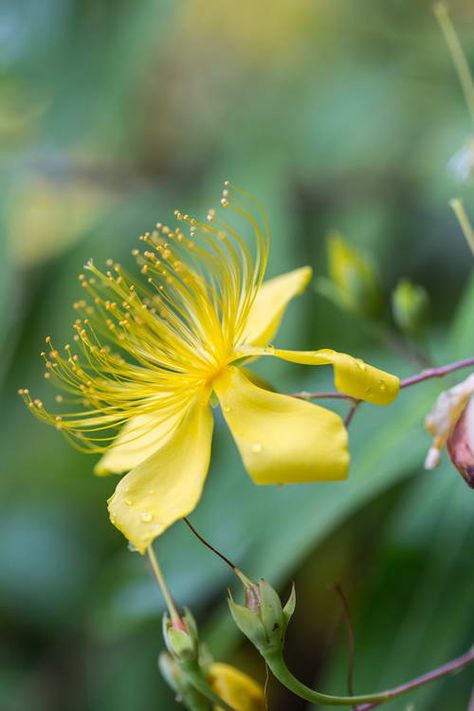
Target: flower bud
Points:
(451, 422)
(460, 444)
(263, 619)
(409, 306)
(182, 640)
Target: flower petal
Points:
(351, 375)
(236, 688)
(270, 303)
(168, 485)
(282, 440)
(138, 439)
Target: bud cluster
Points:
(263, 618)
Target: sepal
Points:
(263, 619)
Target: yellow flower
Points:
(170, 344)
(236, 688)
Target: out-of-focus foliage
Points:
(352, 282)
(410, 303)
(339, 116)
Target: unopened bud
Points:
(263, 618)
(460, 444)
(410, 305)
(181, 639)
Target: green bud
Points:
(181, 640)
(410, 303)
(263, 619)
(353, 281)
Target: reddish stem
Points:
(449, 668)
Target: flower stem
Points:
(453, 666)
(155, 566)
(278, 666)
(457, 53)
(464, 222)
(437, 372)
(212, 548)
(427, 374)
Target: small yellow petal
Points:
(351, 375)
(269, 306)
(282, 440)
(167, 486)
(236, 688)
(136, 441)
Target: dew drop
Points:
(257, 447)
(128, 502)
(146, 517)
(227, 408)
(132, 548)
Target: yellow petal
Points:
(167, 486)
(236, 688)
(137, 441)
(351, 375)
(282, 440)
(271, 301)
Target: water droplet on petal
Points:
(132, 548)
(227, 408)
(257, 447)
(146, 517)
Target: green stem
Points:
(279, 669)
(464, 222)
(457, 54)
(155, 566)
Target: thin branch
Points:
(353, 409)
(437, 372)
(449, 668)
(277, 664)
(208, 545)
(427, 374)
(457, 54)
(350, 637)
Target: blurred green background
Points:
(337, 115)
